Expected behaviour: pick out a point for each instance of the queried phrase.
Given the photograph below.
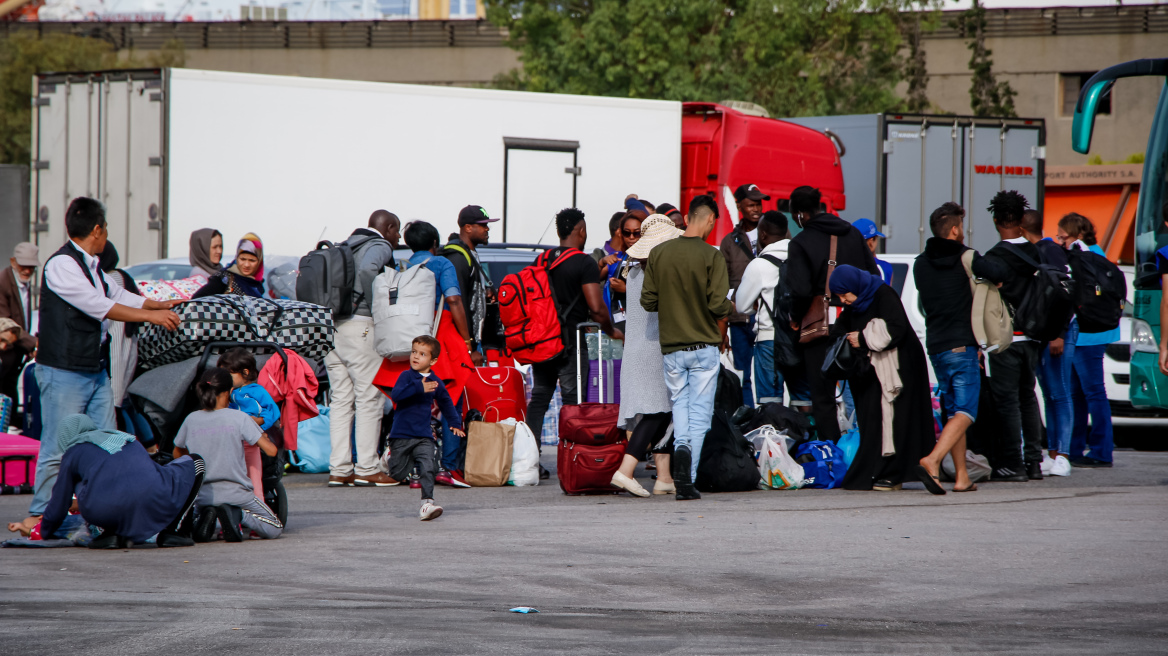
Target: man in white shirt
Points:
(756, 293)
(76, 305)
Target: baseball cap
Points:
(473, 214)
(749, 191)
(868, 229)
(26, 254)
(665, 209)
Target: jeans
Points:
(65, 393)
(1054, 374)
(741, 347)
(768, 379)
(1012, 380)
(136, 424)
(1090, 398)
(692, 378)
(452, 450)
(544, 375)
(357, 405)
(958, 381)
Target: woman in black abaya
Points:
(912, 435)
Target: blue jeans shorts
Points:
(958, 381)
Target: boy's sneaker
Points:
(415, 481)
(429, 510)
(229, 519)
(205, 524)
(1061, 467)
(449, 478)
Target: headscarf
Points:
(200, 253)
(847, 278)
(249, 244)
(78, 429)
(108, 259)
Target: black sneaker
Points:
(205, 525)
(108, 540)
(1034, 471)
(685, 490)
(229, 519)
(166, 540)
(544, 474)
(1008, 475)
(1089, 462)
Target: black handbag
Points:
(843, 361)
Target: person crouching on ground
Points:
(687, 285)
(411, 438)
(218, 434)
(253, 400)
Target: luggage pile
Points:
(296, 325)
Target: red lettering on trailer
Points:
(985, 169)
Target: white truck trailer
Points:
(296, 160)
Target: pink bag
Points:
(18, 460)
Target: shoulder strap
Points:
(1013, 248)
(459, 249)
(830, 266)
(773, 260)
(967, 262)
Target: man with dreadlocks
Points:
(1012, 372)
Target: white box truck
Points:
(898, 168)
(296, 160)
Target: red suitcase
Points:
(497, 392)
(18, 461)
(591, 446)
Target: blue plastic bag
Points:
(823, 464)
(849, 443)
(313, 444)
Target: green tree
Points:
(793, 58)
(24, 55)
(987, 96)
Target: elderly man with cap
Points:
(739, 248)
(474, 230)
(872, 237)
(357, 405)
(17, 295)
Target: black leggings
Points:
(648, 432)
(200, 471)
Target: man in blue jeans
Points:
(76, 306)
(686, 283)
(739, 248)
(947, 301)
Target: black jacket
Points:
(808, 253)
(1052, 253)
(1001, 265)
(945, 296)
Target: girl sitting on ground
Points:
(218, 434)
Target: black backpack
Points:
(727, 462)
(1048, 303)
(728, 397)
(326, 277)
(1101, 291)
(797, 424)
(787, 353)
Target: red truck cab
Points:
(722, 148)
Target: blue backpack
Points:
(823, 464)
(313, 444)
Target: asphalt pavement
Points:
(1066, 566)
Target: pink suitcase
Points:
(18, 460)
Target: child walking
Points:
(411, 439)
(254, 401)
(218, 434)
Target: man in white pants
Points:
(353, 363)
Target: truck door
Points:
(1000, 157)
(923, 170)
(101, 136)
(539, 180)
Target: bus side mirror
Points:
(1084, 122)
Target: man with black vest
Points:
(77, 303)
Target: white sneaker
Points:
(1061, 467)
(429, 510)
(628, 484)
(1046, 464)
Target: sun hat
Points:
(657, 229)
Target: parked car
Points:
(276, 270)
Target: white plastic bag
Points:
(525, 456)
(779, 470)
(977, 466)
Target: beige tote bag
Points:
(489, 449)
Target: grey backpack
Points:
(404, 307)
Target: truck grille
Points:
(1119, 352)
(1122, 379)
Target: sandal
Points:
(932, 483)
(885, 485)
(972, 488)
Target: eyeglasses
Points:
(632, 233)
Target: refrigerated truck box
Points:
(898, 168)
(296, 160)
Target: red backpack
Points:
(527, 308)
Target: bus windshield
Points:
(1150, 232)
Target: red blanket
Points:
(294, 393)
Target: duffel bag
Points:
(302, 327)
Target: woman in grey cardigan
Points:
(645, 409)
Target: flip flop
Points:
(932, 483)
(972, 488)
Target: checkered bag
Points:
(302, 327)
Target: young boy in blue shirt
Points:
(411, 440)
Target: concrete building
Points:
(1045, 54)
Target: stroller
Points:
(166, 395)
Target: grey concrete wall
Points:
(1032, 66)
